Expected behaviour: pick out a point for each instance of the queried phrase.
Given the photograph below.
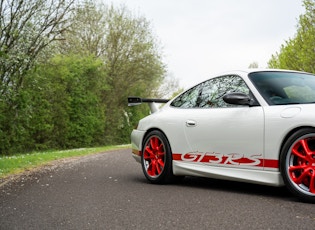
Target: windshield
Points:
(282, 88)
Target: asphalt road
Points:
(109, 191)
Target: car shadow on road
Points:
(236, 187)
(232, 187)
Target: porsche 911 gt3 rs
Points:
(255, 126)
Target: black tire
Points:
(156, 159)
(297, 164)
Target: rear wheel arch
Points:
(151, 130)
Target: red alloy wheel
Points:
(154, 156)
(301, 164)
(297, 164)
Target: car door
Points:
(221, 134)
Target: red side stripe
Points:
(177, 157)
(136, 152)
(268, 163)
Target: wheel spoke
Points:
(305, 146)
(296, 152)
(151, 168)
(301, 178)
(161, 163)
(158, 168)
(298, 168)
(309, 154)
(148, 154)
(161, 148)
(161, 154)
(154, 142)
(155, 167)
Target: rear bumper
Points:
(137, 158)
(136, 143)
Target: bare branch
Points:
(26, 28)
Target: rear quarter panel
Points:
(168, 120)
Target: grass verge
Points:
(20, 162)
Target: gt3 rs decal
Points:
(223, 159)
(219, 158)
(226, 159)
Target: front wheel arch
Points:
(297, 163)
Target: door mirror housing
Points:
(238, 99)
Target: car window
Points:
(209, 94)
(281, 88)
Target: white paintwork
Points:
(244, 130)
(234, 174)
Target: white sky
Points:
(203, 37)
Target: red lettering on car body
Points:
(220, 158)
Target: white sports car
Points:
(254, 126)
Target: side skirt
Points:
(224, 173)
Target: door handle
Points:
(190, 123)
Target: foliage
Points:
(298, 53)
(58, 107)
(68, 71)
(26, 28)
(74, 85)
(253, 65)
(131, 57)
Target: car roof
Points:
(255, 70)
(244, 73)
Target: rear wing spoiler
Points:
(132, 101)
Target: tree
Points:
(87, 33)
(131, 56)
(134, 66)
(253, 65)
(298, 52)
(169, 88)
(75, 98)
(26, 28)
(66, 71)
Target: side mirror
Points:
(237, 99)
